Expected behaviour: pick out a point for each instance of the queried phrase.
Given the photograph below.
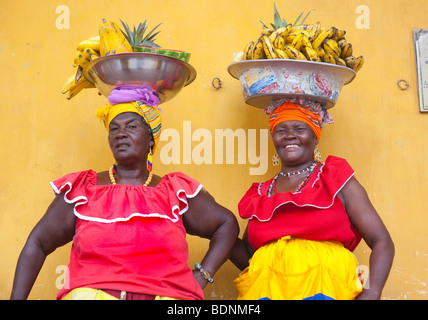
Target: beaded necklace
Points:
(314, 167)
(112, 170)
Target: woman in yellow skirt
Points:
(305, 222)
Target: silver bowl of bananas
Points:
(269, 79)
(164, 74)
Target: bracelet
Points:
(205, 273)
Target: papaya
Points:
(112, 40)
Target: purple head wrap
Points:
(129, 93)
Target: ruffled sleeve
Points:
(121, 203)
(320, 192)
(179, 187)
(76, 186)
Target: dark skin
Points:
(130, 141)
(295, 142)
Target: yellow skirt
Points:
(96, 294)
(295, 269)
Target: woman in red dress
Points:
(128, 226)
(305, 222)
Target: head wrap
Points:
(305, 111)
(140, 100)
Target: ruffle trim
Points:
(299, 205)
(82, 200)
(255, 204)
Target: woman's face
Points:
(294, 142)
(129, 138)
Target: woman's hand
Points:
(199, 278)
(242, 252)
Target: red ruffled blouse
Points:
(130, 238)
(314, 213)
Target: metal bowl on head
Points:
(270, 79)
(165, 75)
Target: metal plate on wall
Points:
(420, 38)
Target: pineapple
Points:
(137, 37)
(279, 22)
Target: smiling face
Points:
(130, 138)
(294, 142)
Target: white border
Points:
(304, 205)
(81, 200)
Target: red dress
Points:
(314, 213)
(130, 238)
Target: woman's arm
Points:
(55, 229)
(365, 219)
(242, 252)
(207, 219)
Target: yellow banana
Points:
(360, 62)
(90, 54)
(293, 53)
(298, 41)
(306, 41)
(289, 38)
(93, 43)
(267, 32)
(278, 42)
(320, 52)
(346, 51)
(277, 32)
(311, 54)
(268, 48)
(68, 84)
(340, 62)
(331, 46)
(80, 60)
(286, 31)
(79, 87)
(258, 52)
(315, 31)
(281, 54)
(312, 30)
(342, 42)
(277, 39)
(339, 35)
(248, 51)
(305, 28)
(351, 62)
(329, 58)
(322, 36)
(72, 88)
(112, 40)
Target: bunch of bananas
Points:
(87, 50)
(309, 42)
(110, 41)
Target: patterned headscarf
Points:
(305, 111)
(140, 100)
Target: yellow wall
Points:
(378, 128)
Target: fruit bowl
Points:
(269, 79)
(165, 75)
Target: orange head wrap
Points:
(288, 111)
